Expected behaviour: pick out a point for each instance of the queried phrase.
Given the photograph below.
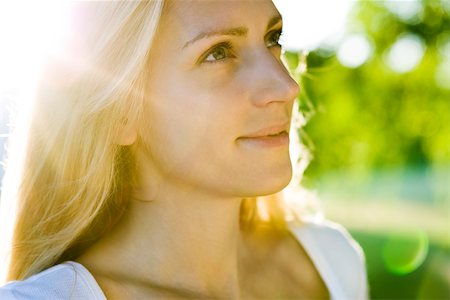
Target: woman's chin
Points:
(274, 188)
(269, 184)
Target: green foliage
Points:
(371, 117)
(373, 126)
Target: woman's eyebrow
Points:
(237, 31)
(274, 21)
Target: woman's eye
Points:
(274, 39)
(219, 53)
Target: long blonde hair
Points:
(73, 178)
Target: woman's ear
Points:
(127, 134)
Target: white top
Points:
(338, 258)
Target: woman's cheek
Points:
(215, 75)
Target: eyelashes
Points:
(219, 52)
(224, 50)
(276, 37)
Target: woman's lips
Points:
(276, 128)
(276, 140)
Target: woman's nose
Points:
(272, 81)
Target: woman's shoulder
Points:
(328, 233)
(68, 280)
(337, 256)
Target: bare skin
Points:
(181, 235)
(271, 265)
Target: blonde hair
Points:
(73, 178)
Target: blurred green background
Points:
(378, 110)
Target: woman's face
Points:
(217, 77)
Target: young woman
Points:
(152, 143)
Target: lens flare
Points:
(403, 253)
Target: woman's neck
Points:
(178, 242)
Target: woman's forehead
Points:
(195, 13)
(192, 17)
